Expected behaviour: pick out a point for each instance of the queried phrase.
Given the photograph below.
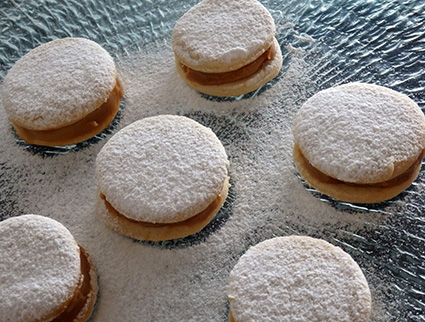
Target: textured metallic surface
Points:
(354, 40)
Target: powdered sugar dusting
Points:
(298, 279)
(162, 169)
(359, 132)
(219, 36)
(58, 83)
(266, 197)
(39, 267)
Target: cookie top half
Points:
(58, 83)
(360, 133)
(298, 278)
(221, 36)
(162, 169)
(39, 267)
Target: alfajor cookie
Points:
(297, 278)
(62, 92)
(44, 274)
(161, 178)
(226, 48)
(359, 143)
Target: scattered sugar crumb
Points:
(296, 50)
(305, 37)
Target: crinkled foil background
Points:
(354, 40)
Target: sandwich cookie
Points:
(44, 274)
(359, 143)
(62, 92)
(161, 178)
(226, 48)
(297, 278)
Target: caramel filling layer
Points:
(79, 131)
(188, 222)
(231, 319)
(81, 294)
(384, 184)
(232, 76)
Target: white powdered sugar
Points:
(185, 280)
(298, 279)
(58, 83)
(359, 132)
(39, 267)
(162, 169)
(220, 36)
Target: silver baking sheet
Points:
(324, 43)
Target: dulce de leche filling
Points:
(231, 319)
(79, 131)
(384, 184)
(188, 222)
(81, 295)
(232, 76)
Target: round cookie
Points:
(297, 278)
(226, 48)
(359, 142)
(161, 178)
(62, 92)
(44, 274)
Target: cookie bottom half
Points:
(350, 192)
(160, 232)
(266, 73)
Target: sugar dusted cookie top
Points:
(360, 133)
(298, 278)
(162, 169)
(220, 36)
(58, 83)
(39, 267)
